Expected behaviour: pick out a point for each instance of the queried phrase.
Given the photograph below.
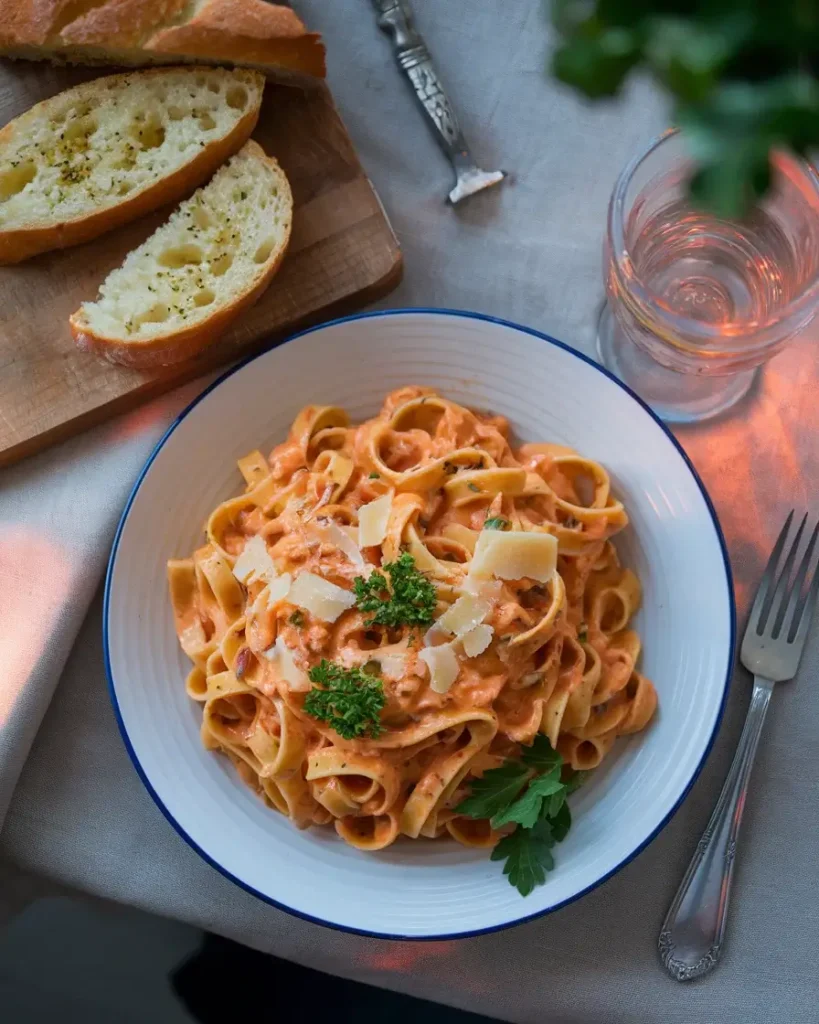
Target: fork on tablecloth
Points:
(692, 934)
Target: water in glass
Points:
(696, 303)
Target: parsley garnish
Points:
(474, 487)
(528, 856)
(297, 619)
(374, 476)
(348, 700)
(582, 632)
(530, 794)
(407, 600)
(497, 523)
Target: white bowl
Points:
(549, 392)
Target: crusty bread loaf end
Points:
(250, 33)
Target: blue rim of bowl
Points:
(348, 928)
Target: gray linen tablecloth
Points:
(529, 251)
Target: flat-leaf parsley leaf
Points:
(407, 600)
(541, 755)
(497, 790)
(528, 856)
(527, 808)
(349, 700)
(530, 794)
(497, 523)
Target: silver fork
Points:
(395, 17)
(691, 938)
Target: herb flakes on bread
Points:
(179, 290)
(106, 152)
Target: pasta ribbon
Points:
(555, 653)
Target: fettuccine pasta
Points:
(527, 628)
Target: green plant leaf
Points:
(527, 852)
(407, 600)
(742, 76)
(495, 791)
(597, 66)
(527, 808)
(348, 700)
(540, 755)
(561, 822)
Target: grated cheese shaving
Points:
(465, 614)
(254, 563)
(278, 589)
(281, 656)
(515, 555)
(393, 666)
(320, 597)
(339, 538)
(477, 640)
(373, 519)
(443, 666)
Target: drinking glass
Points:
(695, 303)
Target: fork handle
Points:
(692, 934)
(413, 57)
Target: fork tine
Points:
(783, 588)
(795, 600)
(805, 613)
(768, 576)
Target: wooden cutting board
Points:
(343, 255)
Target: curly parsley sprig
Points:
(349, 700)
(407, 600)
(530, 794)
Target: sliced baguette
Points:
(253, 33)
(108, 151)
(183, 286)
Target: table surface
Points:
(529, 251)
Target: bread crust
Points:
(30, 22)
(20, 244)
(120, 22)
(180, 345)
(245, 32)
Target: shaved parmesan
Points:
(443, 666)
(463, 616)
(254, 563)
(282, 657)
(259, 606)
(372, 521)
(477, 640)
(278, 589)
(435, 636)
(489, 590)
(334, 534)
(320, 597)
(393, 666)
(512, 556)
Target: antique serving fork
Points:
(395, 17)
(692, 934)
